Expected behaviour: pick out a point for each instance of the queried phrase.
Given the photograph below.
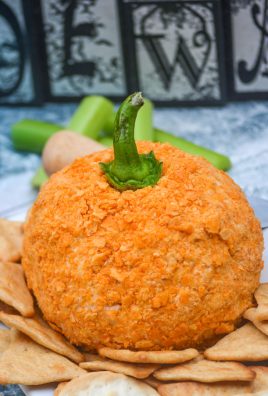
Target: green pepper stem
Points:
(126, 157)
(129, 169)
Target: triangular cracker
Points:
(4, 339)
(11, 236)
(43, 335)
(206, 371)
(104, 383)
(13, 289)
(27, 363)
(244, 344)
(131, 369)
(259, 387)
(252, 315)
(164, 357)
(198, 389)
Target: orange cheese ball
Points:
(164, 267)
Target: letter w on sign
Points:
(183, 57)
(173, 49)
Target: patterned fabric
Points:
(11, 390)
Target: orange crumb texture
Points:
(164, 267)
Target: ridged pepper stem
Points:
(130, 170)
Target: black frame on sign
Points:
(130, 50)
(33, 54)
(232, 94)
(40, 39)
(47, 92)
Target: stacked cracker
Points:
(32, 353)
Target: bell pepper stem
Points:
(130, 170)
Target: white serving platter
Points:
(48, 390)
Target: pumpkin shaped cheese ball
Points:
(146, 249)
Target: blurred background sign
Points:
(249, 44)
(83, 48)
(174, 48)
(18, 59)
(183, 52)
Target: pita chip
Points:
(13, 289)
(4, 339)
(244, 344)
(199, 389)
(206, 371)
(252, 315)
(11, 236)
(38, 331)
(104, 383)
(27, 363)
(260, 384)
(133, 370)
(164, 357)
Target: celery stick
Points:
(91, 116)
(218, 160)
(144, 122)
(106, 141)
(108, 127)
(31, 135)
(39, 178)
(143, 126)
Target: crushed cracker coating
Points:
(166, 267)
